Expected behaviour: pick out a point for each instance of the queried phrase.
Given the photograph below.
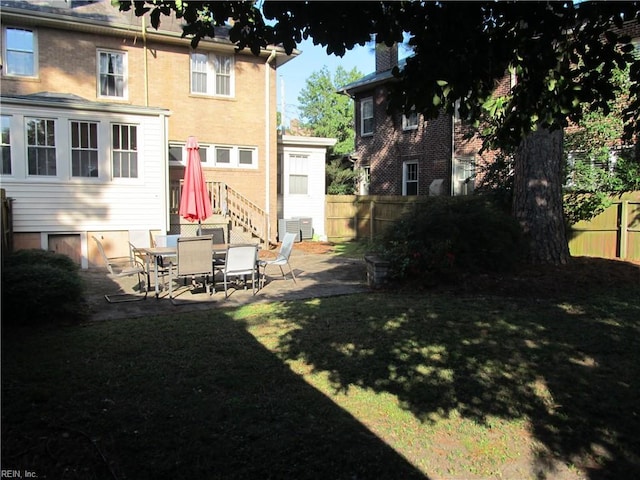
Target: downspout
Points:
(146, 65)
(453, 151)
(267, 156)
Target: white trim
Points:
(364, 101)
(5, 56)
(405, 180)
(211, 75)
(125, 74)
(406, 125)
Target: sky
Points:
(292, 77)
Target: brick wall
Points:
(68, 64)
(389, 146)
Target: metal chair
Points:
(193, 259)
(281, 259)
(241, 260)
(218, 238)
(138, 241)
(119, 267)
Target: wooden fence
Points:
(615, 233)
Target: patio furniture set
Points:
(191, 262)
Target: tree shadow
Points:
(196, 396)
(571, 371)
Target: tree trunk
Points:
(537, 196)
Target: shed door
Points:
(67, 244)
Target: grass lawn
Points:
(436, 384)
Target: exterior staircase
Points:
(243, 220)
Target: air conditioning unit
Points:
(306, 227)
(289, 225)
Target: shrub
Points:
(39, 257)
(452, 236)
(40, 287)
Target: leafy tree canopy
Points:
(327, 113)
(563, 53)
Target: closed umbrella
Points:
(194, 201)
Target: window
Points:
(236, 157)
(298, 174)
(465, 173)
(124, 146)
(41, 146)
(410, 122)
(410, 178)
(366, 116)
(212, 74)
(112, 74)
(5, 145)
(20, 52)
(245, 157)
(364, 180)
(223, 156)
(175, 153)
(84, 149)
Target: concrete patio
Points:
(317, 275)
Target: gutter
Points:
(267, 131)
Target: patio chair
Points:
(193, 259)
(218, 238)
(120, 267)
(241, 261)
(138, 241)
(281, 259)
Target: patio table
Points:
(156, 253)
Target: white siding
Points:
(63, 203)
(312, 203)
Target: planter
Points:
(377, 271)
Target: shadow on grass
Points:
(569, 367)
(191, 396)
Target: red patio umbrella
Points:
(194, 201)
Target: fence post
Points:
(623, 230)
(372, 210)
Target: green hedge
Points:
(452, 236)
(40, 287)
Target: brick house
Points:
(400, 155)
(408, 155)
(96, 110)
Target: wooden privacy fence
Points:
(615, 233)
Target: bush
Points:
(452, 236)
(40, 257)
(40, 287)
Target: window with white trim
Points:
(176, 152)
(366, 116)
(410, 178)
(20, 54)
(298, 174)
(112, 74)
(84, 149)
(41, 146)
(212, 74)
(5, 144)
(465, 172)
(235, 156)
(124, 151)
(410, 122)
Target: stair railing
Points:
(227, 201)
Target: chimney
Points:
(386, 57)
